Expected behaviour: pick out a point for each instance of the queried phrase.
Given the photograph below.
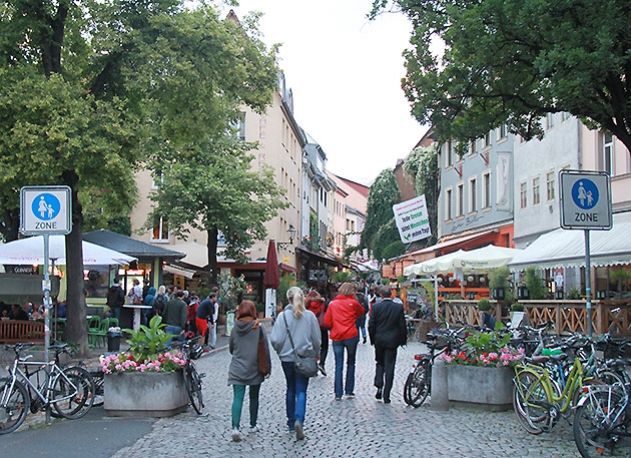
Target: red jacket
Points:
(341, 315)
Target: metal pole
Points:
(46, 289)
(588, 285)
(436, 297)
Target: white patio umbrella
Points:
(482, 259)
(30, 251)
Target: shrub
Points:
(500, 278)
(517, 307)
(536, 290)
(484, 305)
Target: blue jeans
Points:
(296, 397)
(176, 330)
(338, 350)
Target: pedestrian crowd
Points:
(300, 336)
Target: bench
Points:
(14, 331)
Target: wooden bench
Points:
(14, 331)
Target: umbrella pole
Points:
(436, 297)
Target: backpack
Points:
(158, 304)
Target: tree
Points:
(90, 90)
(513, 61)
(378, 232)
(422, 165)
(215, 190)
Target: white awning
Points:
(566, 248)
(196, 253)
(481, 260)
(177, 270)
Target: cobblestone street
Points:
(356, 427)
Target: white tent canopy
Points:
(30, 251)
(482, 259)
(567, 247)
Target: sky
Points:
(345, 72)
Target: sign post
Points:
(46, 211)
(586, 204)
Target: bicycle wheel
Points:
(596, 430)
(529, 401)
(416, 386)
(73, 393)
(99, 385)
(14, 405)
(193, 384)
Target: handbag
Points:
(264, 363)
(307, 366)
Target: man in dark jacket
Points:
(174, 315)
(115, 299)
(387, 332)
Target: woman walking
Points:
(295, 328)
(244, 367)
(317, 305)
(341, 318)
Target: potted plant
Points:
(481, 373)
(147, 380)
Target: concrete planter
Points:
(486, 387)
(148, 394)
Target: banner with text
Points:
(412, 220)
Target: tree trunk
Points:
(212, 233)
(76, 325)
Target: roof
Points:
(360, 188)
(129, 246)
(447, 243)
(567, 247)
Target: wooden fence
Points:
(14, 331)
(567, 315)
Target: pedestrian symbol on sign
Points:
(585, 194)
(45, 206)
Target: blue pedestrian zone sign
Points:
(45, 210)
(585, 200)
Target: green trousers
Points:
(237, 404)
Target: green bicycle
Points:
(538, 399)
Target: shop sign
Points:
(412, 219)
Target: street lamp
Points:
(292, 233)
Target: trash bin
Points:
(113, 341)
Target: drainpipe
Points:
(580, 146)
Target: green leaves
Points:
(148, 341)
(384, 193)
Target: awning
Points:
(287, 268)
(196, 253)
(480, 260)
(177, 270)
(566, 248)
(446, 243)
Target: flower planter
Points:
(148, 394)
(487, 387)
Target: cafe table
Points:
(137, 308)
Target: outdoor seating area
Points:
(97, 330)
(14, 331)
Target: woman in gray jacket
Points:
(305, 332)
(244, 367)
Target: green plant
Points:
(485, 349)
(500, 278)
(342, 276)
(148, 341)
(517, 307)
(536, 290)
(230, 289)
(484, 305)
(574, 294)
(286, 282)
(620, 277)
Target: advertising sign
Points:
(412, 220)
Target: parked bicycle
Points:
(42, 386)
(192, 379)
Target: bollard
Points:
(440, 398)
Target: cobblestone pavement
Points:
(354, 427)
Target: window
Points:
(536, 197)
(473, 197)
(449, 155)
(487, 139)
(460, 199)
(523, 195)
(565, 116)
(550, 185)
(486, 190)
(448, 208)
(157, 181)
(472, 146)
(501, 132)
(240, 126)
(549, 120)
(607, 155)
(160, 228)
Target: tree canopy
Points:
(90, 91)
(422, 166)
(513, 61)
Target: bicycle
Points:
(419, 382)
(63, 389)
(192, 379)
(95, 376)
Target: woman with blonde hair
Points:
(296, 330)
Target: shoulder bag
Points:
(307, 366)
(265, 365)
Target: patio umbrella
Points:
(271, 278)
(30, 251)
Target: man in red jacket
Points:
(340, 318)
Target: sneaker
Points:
(300, 434)
(236, 435)
(321, 369)
(379, 394)
(338, 398)
(350, 395)
(254, 429)
(386, 400)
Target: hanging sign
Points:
(412, 220)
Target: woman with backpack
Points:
(317, 305)
(296, 332)
(246, 369)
